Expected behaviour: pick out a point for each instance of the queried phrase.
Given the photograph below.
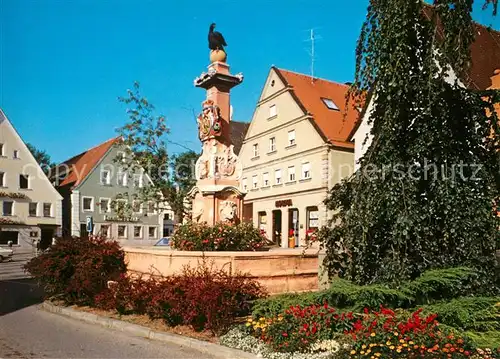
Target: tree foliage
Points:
(145, 138)
(423, 195)
(42, 157)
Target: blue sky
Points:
(63, 63)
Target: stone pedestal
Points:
(216, 196)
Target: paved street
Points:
(28, 332)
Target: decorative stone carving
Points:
(227, 211)
(209, 121)
(197, 210)
(226, 162)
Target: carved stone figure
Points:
(228, 210)
(197, 211)
(209, 121)
(226, 164)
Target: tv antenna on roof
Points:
(312, 39)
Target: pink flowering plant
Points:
(221, 237)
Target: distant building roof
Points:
(485, 54)
(326, 101)
(238, 132)
(82, 164)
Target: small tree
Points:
(423, 196)
(42, 157)
(145, 138)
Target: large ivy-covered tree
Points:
(145, 136)
(423, 195)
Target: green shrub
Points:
(477, 314)
(431, 287)
(439, 284)
(221, 237)
(485, 339)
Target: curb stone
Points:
(215, 350)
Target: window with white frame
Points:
(2, 179)
(47, 209)
(24, 182)
(16, 154)
(122, 231)
(88, 204)
(120, 156)
(265, 179)
(273, 111)
(291, 138)
(104, 230)
(255, 181)
(120, 205)
(151, 207)
(306, 170)
(104, 205)
(137, 179)
(277, 176)
(137, 206)
(2, 150)
(106, 177)
(121, 178)
(33, 209)
(137, 231)
(272, 144)
(255, 150)
(8, 208)
(244, 184)
(291, 173)
(152, 232)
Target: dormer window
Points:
(330, 104)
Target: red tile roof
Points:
(80, 165)
(484, 52)
(333, 125)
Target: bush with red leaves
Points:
(76, 269)
(203, 297)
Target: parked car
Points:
(165, 241)
(6, 254)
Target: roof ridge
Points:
(90, 149)
(314, 77)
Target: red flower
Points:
(285, 334)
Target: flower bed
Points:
(221, 237)
(385, 333)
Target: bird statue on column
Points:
(216, 43)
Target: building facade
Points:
(294, 151)
(96, 185)
(31, 209)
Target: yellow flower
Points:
(411, 342)
(368, 351)
(353, 352)
(378, 354)
(248, 324)
(396, 333)
(249, 320)
(388, 343)
(401, 341)
(372, 334)
(391, 347)
(363, 346)
(362, 352)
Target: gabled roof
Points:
(81, 165)
(5, 120)
(238, 132)
(334, 125)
